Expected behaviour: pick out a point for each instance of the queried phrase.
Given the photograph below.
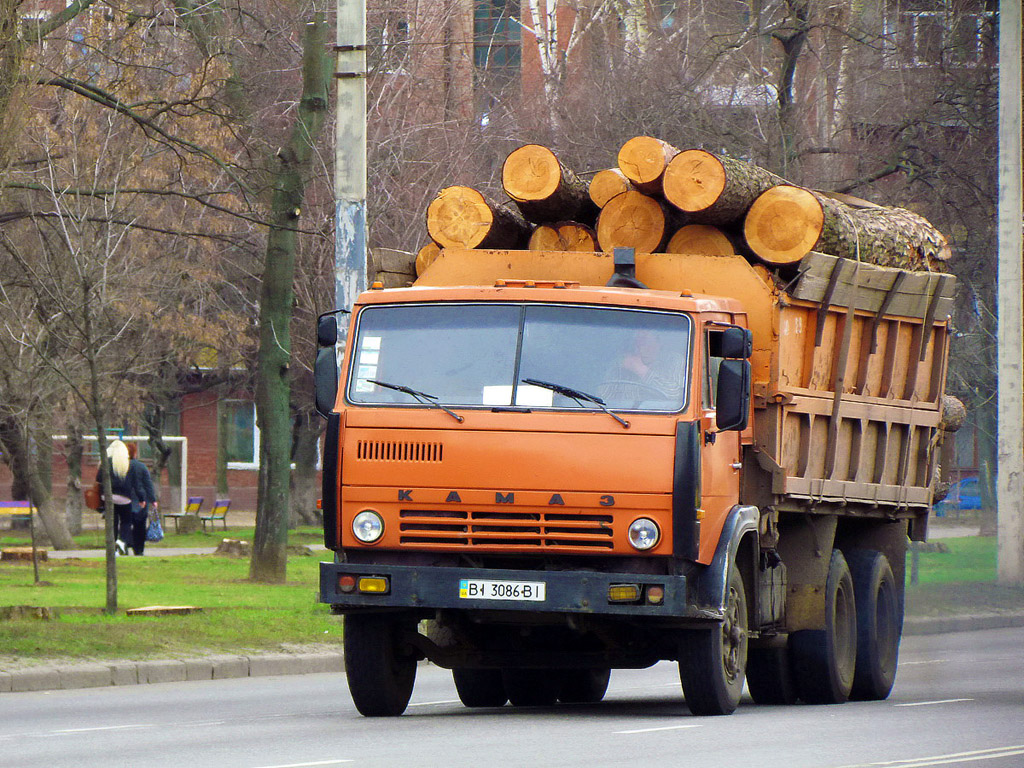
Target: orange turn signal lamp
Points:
(367, 585)
(653, 594)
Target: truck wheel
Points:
(878, 625)
(713, 661)
(584, 686)
(480, 687)
(769, 677)
(380, 674)
(823, 660)
(531, 687)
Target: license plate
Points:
(484, 589)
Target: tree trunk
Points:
(304, 487)
(223, 424)
(73, 506)
(273, 390)
(461, 217)
(633, 220)
(40, 481)
(607, 184)
(643, 159)
(544, 189)
(701, 238)
(786, 223)
(154, 422)
(563, 236)
(714, 189)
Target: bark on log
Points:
(563, 236)
(702, 239)
(544, 189)
(786, 223)
(607, 184)
(634, 220)
(425, 256)
(643, 159)
(714, 189)
(460, 217)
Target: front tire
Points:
(480, 687)
(713, 662)
(824, 660)
(380, 672)
(878, 625)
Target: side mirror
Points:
(327, 330)
(732, 402)
(735, 342)
(325, 368)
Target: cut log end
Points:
(607, 184)
(643, 159)
(631, 220)
(426, 256)
(563, 236)
(459, 217)
(694, 180)
(531, 172)
(784, 224)
(702, 239)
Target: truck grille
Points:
(392, 450)
(492, 529)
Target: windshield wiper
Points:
(578, 396)
(422, 397)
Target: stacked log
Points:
(659, 199)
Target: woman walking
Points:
(125, 487)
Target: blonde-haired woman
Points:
(126, 493)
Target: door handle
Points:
(737, 465)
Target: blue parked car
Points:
(965, 494)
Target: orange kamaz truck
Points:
(542, 466)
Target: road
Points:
(959, 700)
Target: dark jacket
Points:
(136, 485)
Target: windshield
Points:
(479, 355)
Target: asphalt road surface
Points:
(959, 700)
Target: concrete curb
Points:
(98, 674)
(222, 667)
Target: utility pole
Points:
(1010, 478)
(350, 156)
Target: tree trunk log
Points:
(563, 236)
(544, 189)
(643, 159)
(633, 220)
(786, 223)
(607, 184)
(460, 217)
(425, 257)
(714, 189)
(701, 238)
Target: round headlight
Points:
(644, 533)
(368, 526)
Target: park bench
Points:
(219, 512)
(19, 512)
(192, 506)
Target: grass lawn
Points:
(237, 615)
(93, 539)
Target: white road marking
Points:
(929, 703)
(306, 765)
(432, 703)
(953, 757)
(662, 728)
(105, 728)
(928, 661)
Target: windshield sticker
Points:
(368, 357)
(370, 343)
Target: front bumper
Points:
(567, 592)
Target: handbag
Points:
(93, 496)
(155, 532)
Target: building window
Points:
(929, 34)
(497, 38)
(243, 436)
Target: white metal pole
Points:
(350, 154)
(1010, 335)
